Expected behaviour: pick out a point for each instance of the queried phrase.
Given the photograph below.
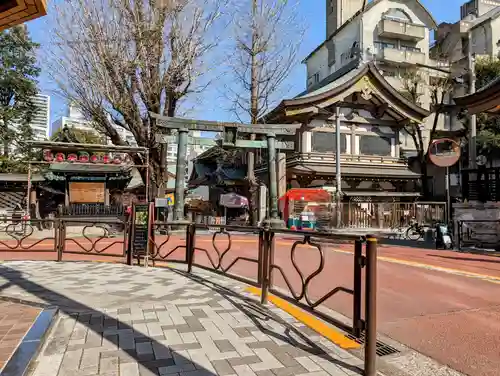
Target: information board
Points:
(87, 193)
(140, 228)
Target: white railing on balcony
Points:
(346, 158)
(401, 30)
(400, 55)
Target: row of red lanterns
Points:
(84, 157)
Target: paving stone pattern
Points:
(131, 321)
(15, 321)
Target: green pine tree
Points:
(18, 83)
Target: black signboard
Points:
(140, 228)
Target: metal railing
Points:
(21, 235)
(267, 266)
(360, 213)
(478, 233)
(93, 237)
(90, 210)
(260, 262)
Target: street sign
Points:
(444, 152)
(481, 160)
(161, 202)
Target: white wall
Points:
(344, 41)
(372, 18)
(317, 63)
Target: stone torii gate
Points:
(235, 135)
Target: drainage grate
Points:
(383, 349)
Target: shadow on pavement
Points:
(497, 261)
(259, 315)
(107, 327)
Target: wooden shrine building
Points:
(86, 179)
(482, 183)
(372, 115)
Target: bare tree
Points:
(118, 60)
(439, 88)
(267, 36)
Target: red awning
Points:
(307, 194)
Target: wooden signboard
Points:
(87, 193)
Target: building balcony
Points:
(401, 30)
(401, 56)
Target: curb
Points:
(28, 349)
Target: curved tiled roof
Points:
(397, 102)
(487, 99)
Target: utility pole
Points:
(472, 89)
(338, 175)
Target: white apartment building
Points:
(40, 121)
(395, 34)
(480, 26)
(76, 119)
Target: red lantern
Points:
(105, 158)
(84, 157)
(72, 158)
(48, 156)
(60, 157)
(94, 158)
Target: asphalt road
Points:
(443, 304)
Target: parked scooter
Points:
(444, 239)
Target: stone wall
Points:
(485, 233)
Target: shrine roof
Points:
(359, 86)
(15, 177)
(403, 173)
(89, 168)
(487, 99)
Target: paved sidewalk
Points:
(15, 321)
(131, 321)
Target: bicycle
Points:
(417, 231)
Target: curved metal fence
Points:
(273, 260)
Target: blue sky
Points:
(313, 12)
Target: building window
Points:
(389, 72)
(375, 145)
(410, 48)
(397, 15)
(325, 142)
(332, 6)
(316, 78)
(381, 45)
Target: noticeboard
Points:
(86, 193)
(140, 227)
